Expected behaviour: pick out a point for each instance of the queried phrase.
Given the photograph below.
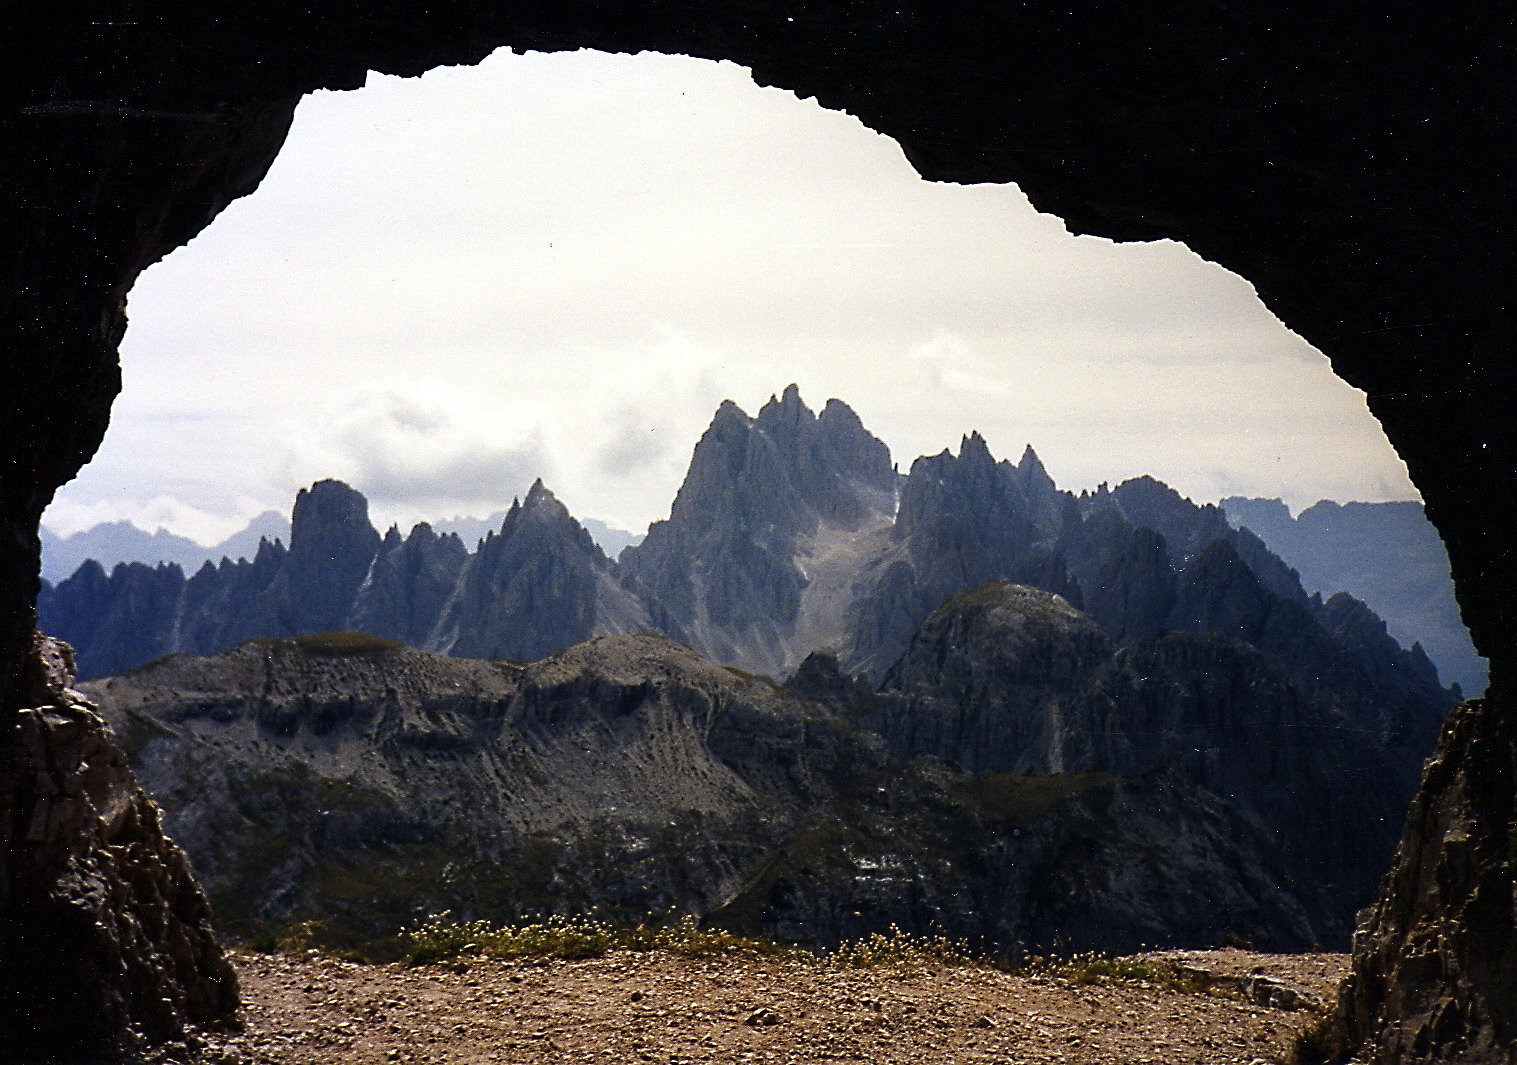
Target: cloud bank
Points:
(558, 265)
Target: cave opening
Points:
(1319, 105)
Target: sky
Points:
(558, 266)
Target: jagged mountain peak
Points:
(1032, 470)
(839, 415)
(542, 514)
(786, 411)
(974, 449)
(269, 552)
(729, 413)
(326, 505)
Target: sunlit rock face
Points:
(1334, 156)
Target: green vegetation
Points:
(902, 950)
(1085, 969)
(442, 939)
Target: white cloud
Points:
(420, 444)
(559, 265)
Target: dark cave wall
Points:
(1347, 161)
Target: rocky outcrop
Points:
(628, 775)
(332, 546)
(102, 916)
(1012, 679)
(1434, 976)
(989, 682)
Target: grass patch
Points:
(1083, 970)
(902, 950)
(442, 939)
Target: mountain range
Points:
(363, 786)
(820, 698)
(1386, 554)
(114, 542)
(792, 532)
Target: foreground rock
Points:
(103, 919)
(659, 1007)
(1435, 976)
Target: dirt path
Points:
(630, 1008)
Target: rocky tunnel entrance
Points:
(1332, 158)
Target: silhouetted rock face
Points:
(989, 679)
(408, 585)
(1011, 679)
(118, 621)
(538, 586)
(628, 775)
(1386, 554)
(761, 495)
(1133, 593)
(332, 546)
(1434, 978)
(103, 919)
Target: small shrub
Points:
(902, 950)
(442, 939)
(1094, 968)
(293, 939)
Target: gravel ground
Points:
(628, 1008)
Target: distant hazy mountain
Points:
(121, 541)
(1386, 554)
(611, 539)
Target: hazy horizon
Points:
(558, 266)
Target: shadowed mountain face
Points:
(766, 500)
(628, 775)
(1386, 554)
